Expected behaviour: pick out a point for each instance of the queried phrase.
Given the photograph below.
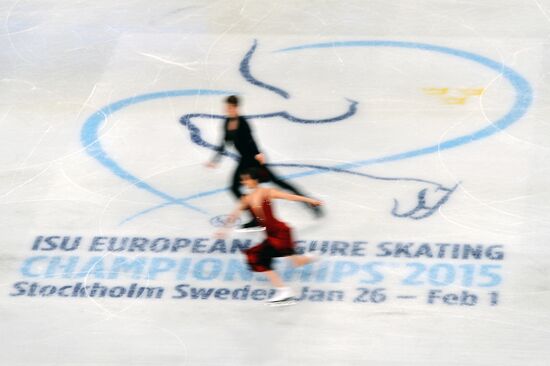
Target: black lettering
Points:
(20, 287)
(362, 296)
(182, 291)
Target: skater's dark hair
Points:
(233, 100)
(253, 173)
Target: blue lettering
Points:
(180, 243)
(448, 274)
(122, 264)
(138, 244)
(375, 275)
(201, 272)
(94, 267)
(198, 246)
(160, 265)
(183, 269)
(218, 246)
(344, 269)
(56, 264)
(411, 280)
(385, 252)
(97, 244)
(27, 266)
(221, 293)
(235, 267)
(358, 248)
(164, 246)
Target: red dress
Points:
(278, 243)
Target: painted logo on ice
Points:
(430, 197)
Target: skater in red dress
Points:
(279, 241)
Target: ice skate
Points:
(284, 296)
(250, 227)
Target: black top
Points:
(242, 140)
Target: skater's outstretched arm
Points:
(220, 149)
(275, 194)
(241, 206)
(233, 216)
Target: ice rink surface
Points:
(422, 125)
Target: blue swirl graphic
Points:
(245, 72)
(89, 137)
(523, 99)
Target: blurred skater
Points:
(279, 241)
(236, 130)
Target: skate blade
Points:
(287, 302)
(250, 230)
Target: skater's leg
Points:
(302, 260)
(274, 278)
(283, 293)
(281, 183)
(236, 182)
(260, 259)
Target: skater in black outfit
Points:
(237, 131)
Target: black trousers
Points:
(265, 175)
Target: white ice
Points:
(473, 72)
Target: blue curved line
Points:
(353, 172)
(286, 165)
(146, 211)
(524, 97)
(89, 136)
(352, 109)
(180, 200)
(195, 132)
(421, 205)
(522, 102)
(245, 72)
